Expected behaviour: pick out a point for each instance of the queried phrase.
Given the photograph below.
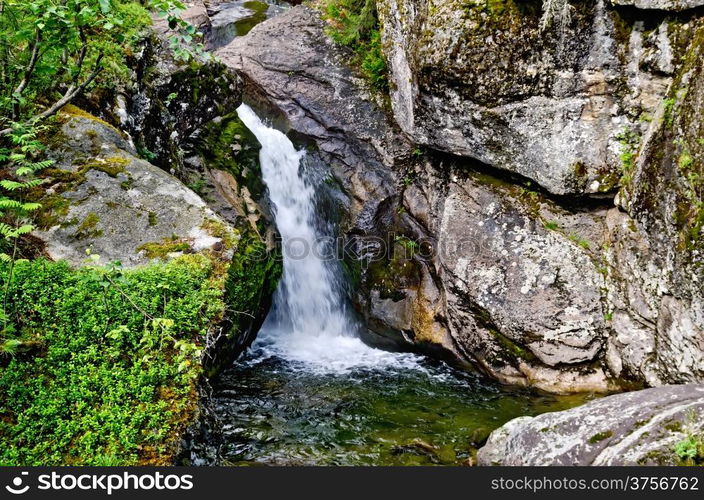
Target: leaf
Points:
(105, 6)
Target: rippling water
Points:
(280, 412)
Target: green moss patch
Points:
(88, 228)
(162, 249)
(113, 380)
(229, 145)
(600, 436)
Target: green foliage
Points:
(52, 51)
(630, 142)
(162, 249)
(355, 24)
(254, 273)
(551, 225)
(111, 377)
(579, 241)
(230, 146)
(689, 450)
(20, 164)
(600, 436)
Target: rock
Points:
(171, 100)
(657, 259)
(118, 206)
(675, 5)
(487, 82)
(292, 65)
(237, 18)
(636, 428)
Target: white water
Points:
(309, 325)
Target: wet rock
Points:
(237, 18)
(172, 100)
(487, 82)
(293, 66)
(637, 428)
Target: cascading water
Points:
(311, 393)
(309, 323)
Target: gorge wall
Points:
(531, 203)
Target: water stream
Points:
(311, 392)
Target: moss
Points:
(216, 228)
(391, 274)
(112, 166)
(75, 111)
(674, 426)
(252, 275)
(552, 226)
(152, 219)
(162, 249)
(53, 211)
(127, 184)
(89, 227)
(509, 347)
(600, 436)
(230, 146)
(579, 241)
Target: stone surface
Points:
(675, 5)
(170, 100)
(487, 82)
(117, 203)
(657, 261)
(290, 63)
(636, 428)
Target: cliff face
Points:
(547, 233)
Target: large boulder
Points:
(492, 81)
(637, 428)
(107, 201)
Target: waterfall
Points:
(309, 324)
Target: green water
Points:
(279, 414)
(259, 14)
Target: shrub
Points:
(355, 24)
(105, 361)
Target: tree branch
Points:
(71, 93)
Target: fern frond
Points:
(8, 204)
(11, 185)
(31, 206)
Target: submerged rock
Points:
(636, 428)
